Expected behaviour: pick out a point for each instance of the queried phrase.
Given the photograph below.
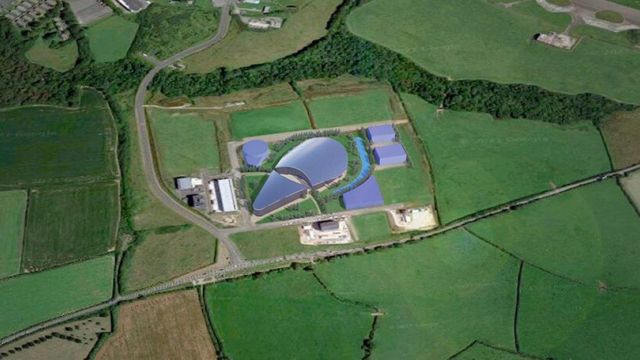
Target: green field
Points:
(479, 351)
(186, 143)
(253, 184)
(271, 120)
(610, 16)
(46, 143)
(436, 296)
(245, 48)
(61, 59)
(479, 162)
(285, 316)
(302, 209)
(167, 253)
(69, 224)
(407, 184)
(32, 298)
(621, 133)
(563, 320)
(110, 39)
(372, 228)
(167, 28)
(631, 185)
(368, 106)
(13, 205)
(589, 234)
(496, 45)
(269, 243)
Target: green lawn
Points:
(407, 184)
(46, 143)
(13, 205)
(631, 185)
(61, 59)
(367, 106)
(372, 228)
(496, 45)
(479, 162)
(32, 298)
(285, 316)
(167, 253)
(270, 120)
(110, 39)
(563, 320)
(186, 143)
(244, 47)
(253, 184)
(269, 243)
(610, 16)
(480, 351)
(589, 234)
(69, 224)
(437, 296)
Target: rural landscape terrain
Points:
(320, 179)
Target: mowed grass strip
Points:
(70, 223)
(110, 39)
(349, 109)
(29, 299)
(61, 59)
(12, 211)
(270, 120)
(168, 326)
(186, 143)
(165, 254)
(436, 296)
(589, 234)
(438, 35)
(560, 319)
(285, 316)
(479, 162)
(44, 143)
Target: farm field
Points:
(32, 298)
(621, 132)
(271, 120)
(437, 35)
(166, 253)
(269, 243)
(407, 184)
(186, 143)
(111, 38)
(561, 319)
(47, 143)
(245, 48)
(289, 316)
(437, 296)
(69, 224)
(169, 326)
(479, 162)
(340, 110)
(631, 185)
(588, 234)
(13, 205)
(61, 59)
(166, 28)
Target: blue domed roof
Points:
(316, 161)
(255, 152)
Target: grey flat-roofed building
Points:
(317, 161)
(277, 191)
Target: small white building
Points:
(187, 183)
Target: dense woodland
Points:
(338, 53)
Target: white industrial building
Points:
(222, 195)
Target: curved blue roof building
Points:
(277, 191)
(317, 161)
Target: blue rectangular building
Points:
(380, 134)
(366, 195)
(393, 154)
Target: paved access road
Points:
(631, 15)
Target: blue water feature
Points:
(365, 170)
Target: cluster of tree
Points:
(341, 52)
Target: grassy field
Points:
(186, 143)
(621, 133)
(631, 185)
(479, 162)
(169, 326)
(563, 320)
(61, 59)
(304, 208)
(610, 16)
(271, 120)
(32, 298)
(407, 184)
(479, 351)
(269, 243)
(110, 39)
(437, 296)
(70, 223)
(13, 205)
(285, 316)
(372, 228)
(438, 35)
(253, 184)
(167, 253)
(368, 106)
(589, 234)
(166, 28)
(45, 143)
(244, 48)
